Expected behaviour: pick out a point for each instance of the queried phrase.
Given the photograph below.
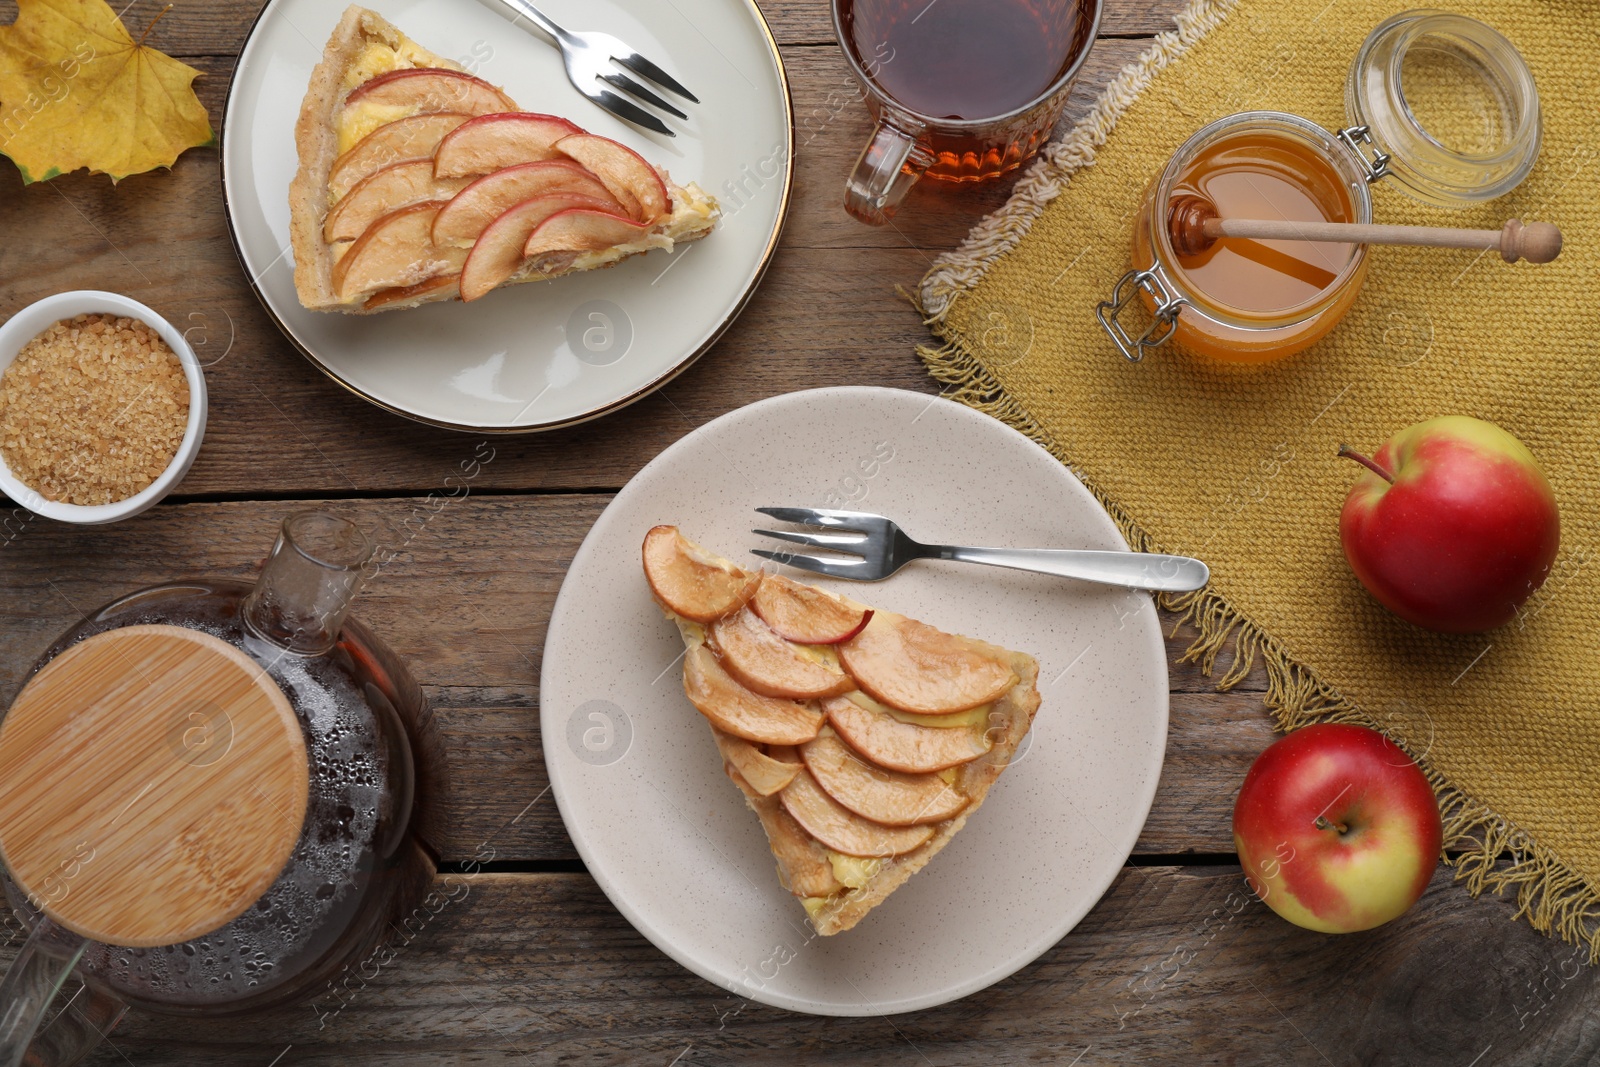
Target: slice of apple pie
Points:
(862, 739)
(420, 182)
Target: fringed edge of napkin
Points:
(960, 271)
(1491, 853)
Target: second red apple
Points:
(1453, 527)
(1336, 828)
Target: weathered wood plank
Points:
(488, 570)
(465, 597)
(203, 27)
(1175, 965)
(279, 427)
(487, 567)
(497, 765)
(825, 316)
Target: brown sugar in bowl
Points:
(38, 318)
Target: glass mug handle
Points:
(894, 161)
(35, 977)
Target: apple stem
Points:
(1323, 824)
(1346, 452)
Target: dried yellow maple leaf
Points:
(76, 90)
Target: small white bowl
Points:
(33, 320)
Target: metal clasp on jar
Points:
(1374, 166)
(1162, 326)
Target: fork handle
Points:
(538, 18)
(1130, 570)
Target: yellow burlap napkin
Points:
(1238, 466)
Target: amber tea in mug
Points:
(964, 90)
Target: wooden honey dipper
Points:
(1194, 226)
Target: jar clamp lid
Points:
(1451, 105)
(1160, 285)
(1441, 103)
(1165, 307)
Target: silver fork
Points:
(589, 57)
(882, 548)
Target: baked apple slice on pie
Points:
(863, 740)
(420, 182)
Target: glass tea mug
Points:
(1442, 107)
(217, 797)
(907, 144)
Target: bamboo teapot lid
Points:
(156, 782)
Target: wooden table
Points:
(1176, 965)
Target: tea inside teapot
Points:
(275, 797)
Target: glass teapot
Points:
(217, 796)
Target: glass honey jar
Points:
(1442, 106)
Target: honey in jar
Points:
(1249, 301)
(1259, 176)
(1440, 104)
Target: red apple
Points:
(1337, 829)
(1454, 527)
(384, 191)
(395, 252)
(401, 141)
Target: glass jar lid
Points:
(1450, 104)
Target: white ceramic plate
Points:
(531, 357)
(638, 777)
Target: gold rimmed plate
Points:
(531, 357)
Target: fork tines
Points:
(850, 565)
(837, 567)
(820, 517)
(625, 108)
(628, 85)
(646, 69)
(593, 59)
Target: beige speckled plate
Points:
(638, 778)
